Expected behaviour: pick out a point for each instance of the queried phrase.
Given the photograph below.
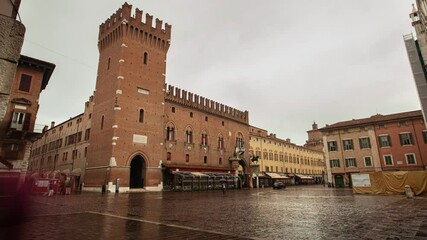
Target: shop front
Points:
(303, 179)
(186, 178)
(271, 178)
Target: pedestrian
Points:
(223, 181)
(50, 187)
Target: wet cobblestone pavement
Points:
(305, 212)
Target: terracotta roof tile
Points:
(378, 118)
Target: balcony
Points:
(188, 146)
(170, 143)
(204, 147)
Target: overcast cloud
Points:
(288, 63)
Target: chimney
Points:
(44, 128)
(52, 124)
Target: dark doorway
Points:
(339, 181)
(137, 168)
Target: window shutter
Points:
(410, 138)
(389, 140)
(27, 121)
(401, 139)
(379, 140)
(360, 143)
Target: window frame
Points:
(348, 147)
(381, 143)
(409, 141)
(332, 146)
(141, 115)
(350, 160)
(370, 160)
(336, 164)
(385, 160)
(145, 58)
(23, 85)
(407, 160)
(424, 133)
(365, 145)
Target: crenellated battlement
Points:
(188, 99)
(123, 23)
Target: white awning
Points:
(275, 175)
(199, 174)
(303, 176)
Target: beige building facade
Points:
(287, 159)
(63, 148)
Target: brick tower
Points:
(127, 120)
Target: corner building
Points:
(143, 131)
(394, 142)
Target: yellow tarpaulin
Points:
(394, 183)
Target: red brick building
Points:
(402, 141)
(17, 128)
(142, 131)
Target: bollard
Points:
(408, 191)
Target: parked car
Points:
(278, 185)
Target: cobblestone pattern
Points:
(293, 213)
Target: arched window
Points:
(170, 133)
(204, 138)
(188, 136)
(102, 122)
(108, 64)
(173, 109)
(220, 161)
(205, 159)
(220, 142)
(145, 60)
(141, 115)
(187, 158)
(239, 140)
(168, 156)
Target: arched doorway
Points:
(137, 172)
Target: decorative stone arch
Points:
(138, 163)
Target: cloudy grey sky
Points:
(288, 63)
